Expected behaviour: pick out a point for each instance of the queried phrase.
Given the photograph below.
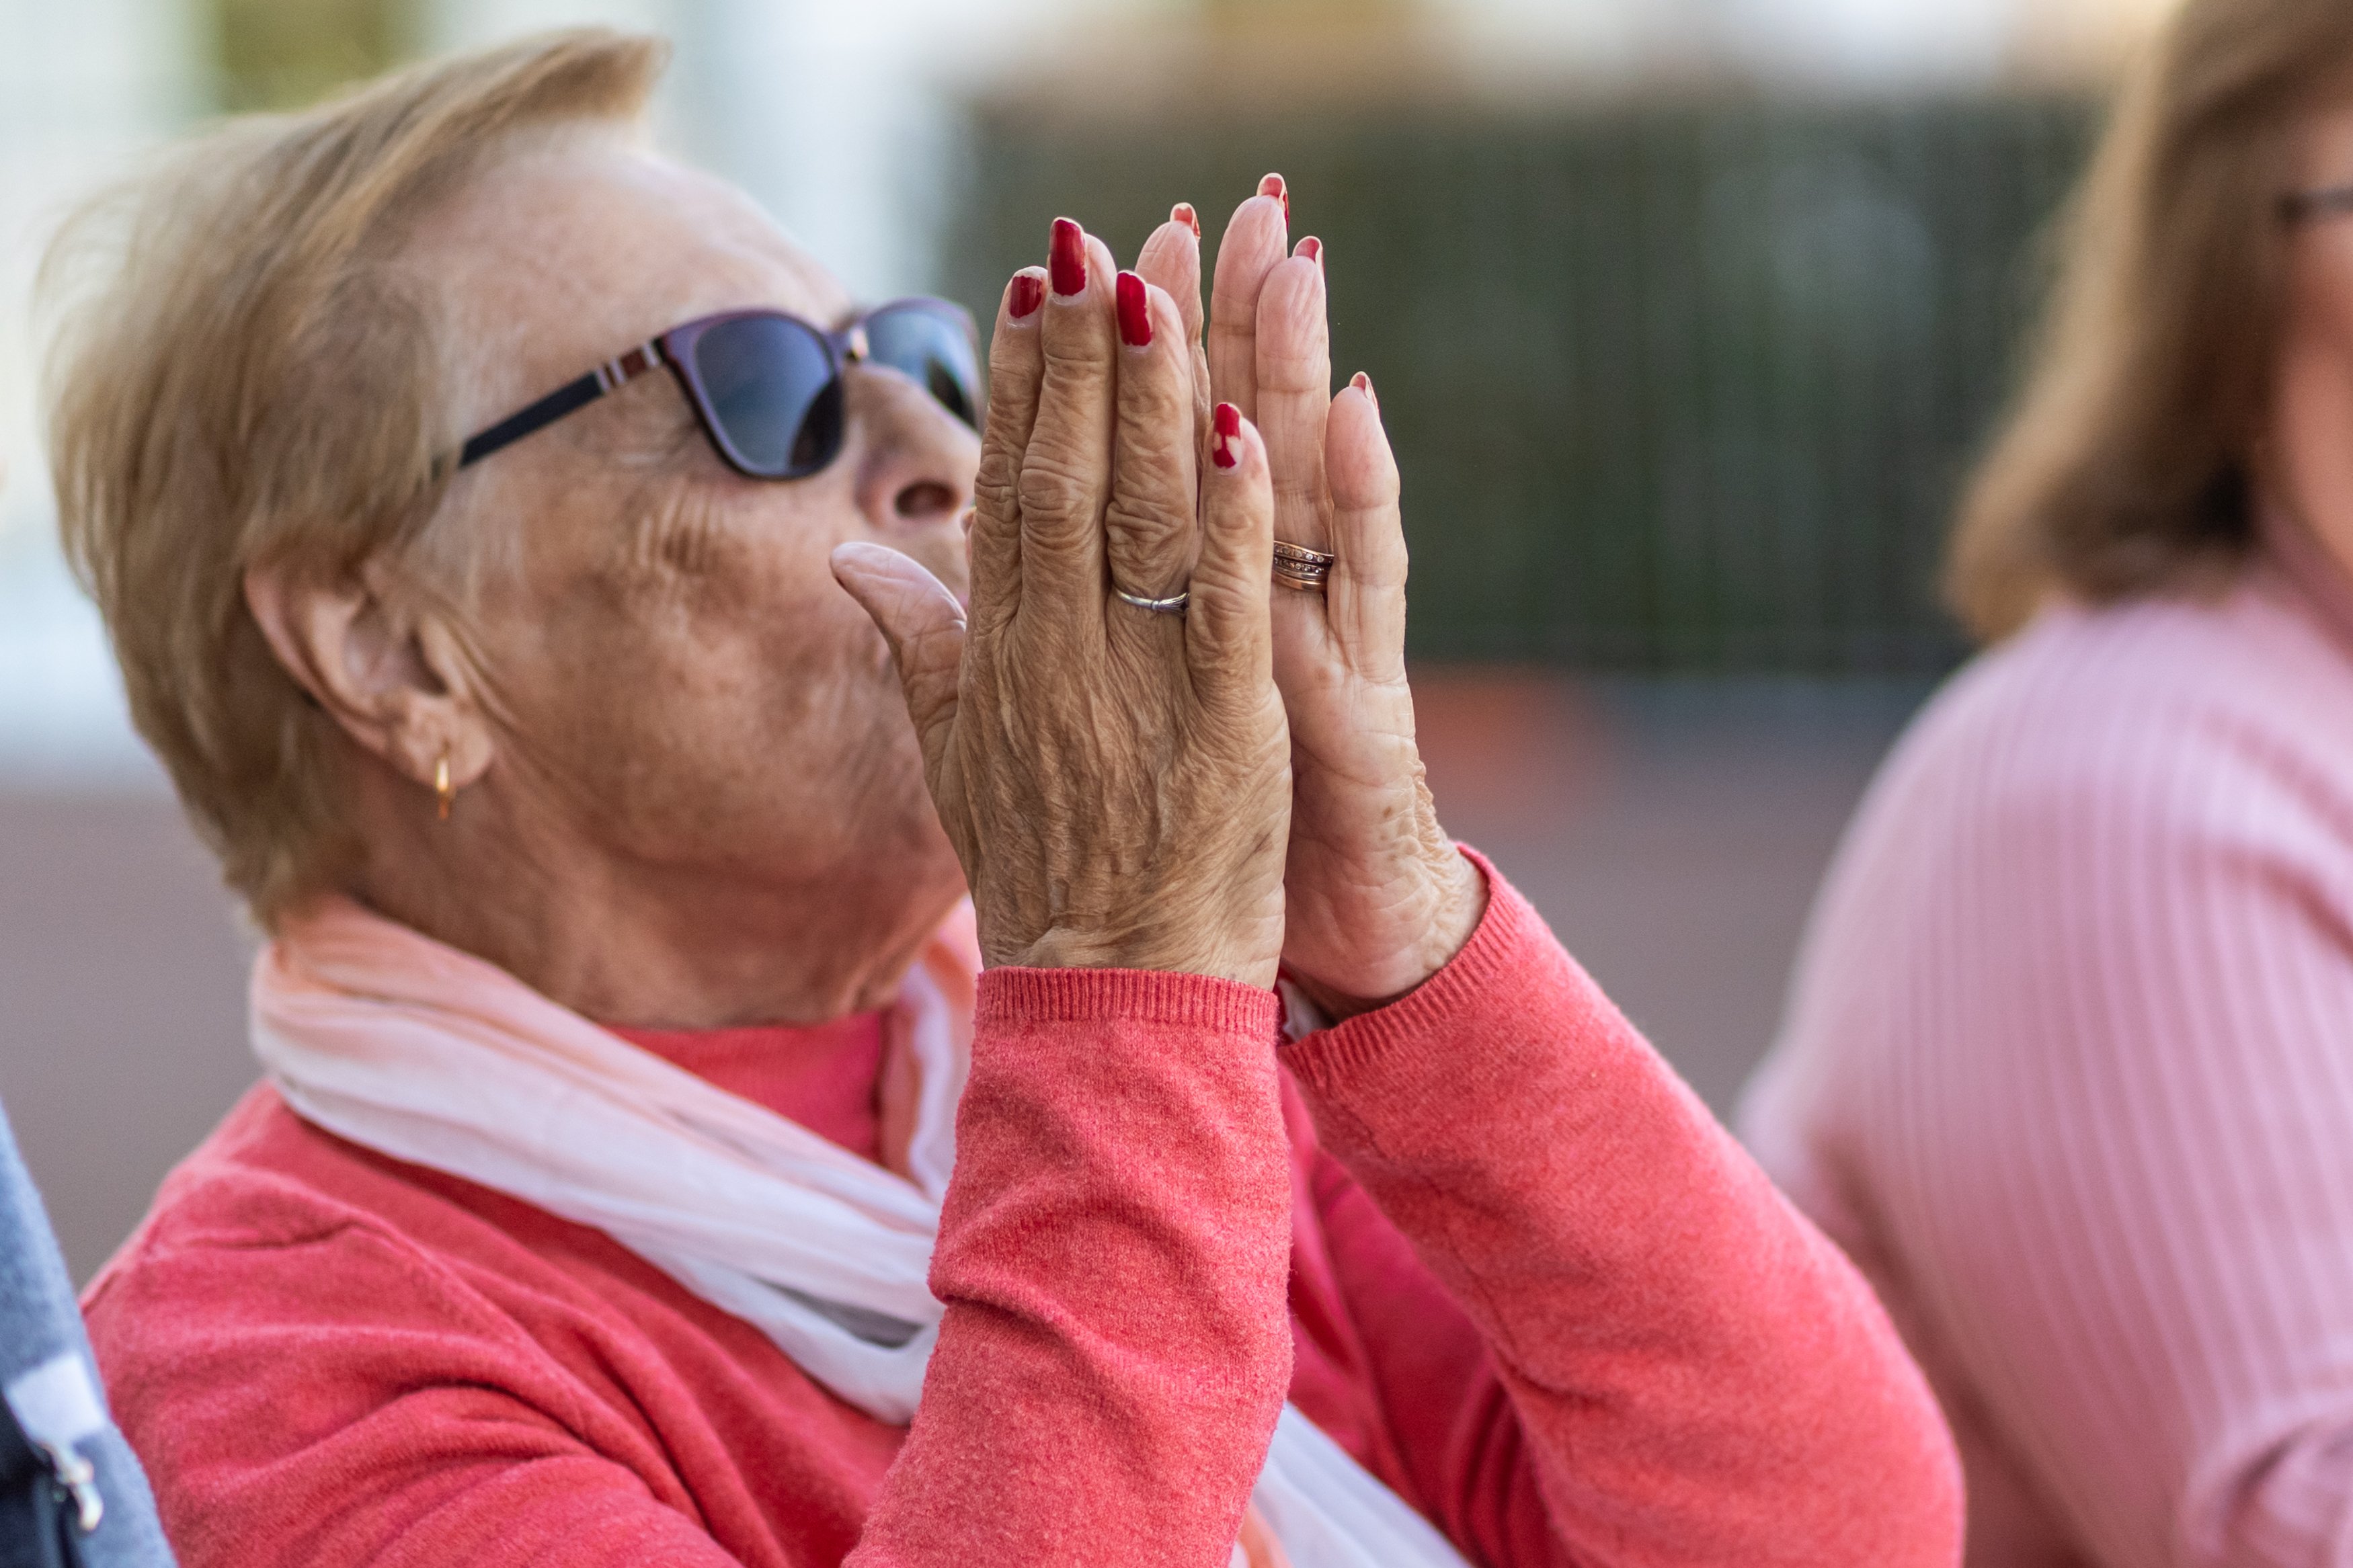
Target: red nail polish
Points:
(1228, 423)
(1066, 259)
(1274, 185)
(1182, 213)
(1312, 249)
(1028, 293)
(1135, 312)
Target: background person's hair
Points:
(244, 374)
(2124, 466)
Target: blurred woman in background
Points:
(2068, 1061)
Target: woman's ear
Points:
(380, 662)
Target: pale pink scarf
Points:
(408, 1047)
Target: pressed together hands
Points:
(1217, 789)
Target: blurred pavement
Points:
(122, 1003)
(1672, 832)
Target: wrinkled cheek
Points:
(835, 677)
(881, 757)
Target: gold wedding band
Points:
(1300, 568)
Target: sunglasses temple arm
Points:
(568, 398)
(564, 400)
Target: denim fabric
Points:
(39, 1320)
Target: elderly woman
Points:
(509, 708)
(2066, 1064)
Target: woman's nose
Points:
(925, 500)
(919, 460)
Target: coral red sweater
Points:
(1482, 1238)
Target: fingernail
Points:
(1272, 186)
(1182, 213)
(1135, 312)
(1228, 423)
(1312, 249)
(1067, 258)
(1028, 293)
(1364, 384)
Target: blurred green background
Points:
(281, 54)
(1680, 386)
(1682, 381)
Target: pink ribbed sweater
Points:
(2068, 1070)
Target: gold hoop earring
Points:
(443, 792)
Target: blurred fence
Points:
(1674, 387)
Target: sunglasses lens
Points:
(933, 347)
(772, 393)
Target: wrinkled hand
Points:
(1377, 898)
(1116, 780)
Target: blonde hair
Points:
(244, 375)
(2124, 466)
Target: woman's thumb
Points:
(925, 627)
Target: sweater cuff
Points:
(1011, 997)
(1510, 937)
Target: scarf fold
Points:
(402, 1045)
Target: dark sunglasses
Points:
(766, 386)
